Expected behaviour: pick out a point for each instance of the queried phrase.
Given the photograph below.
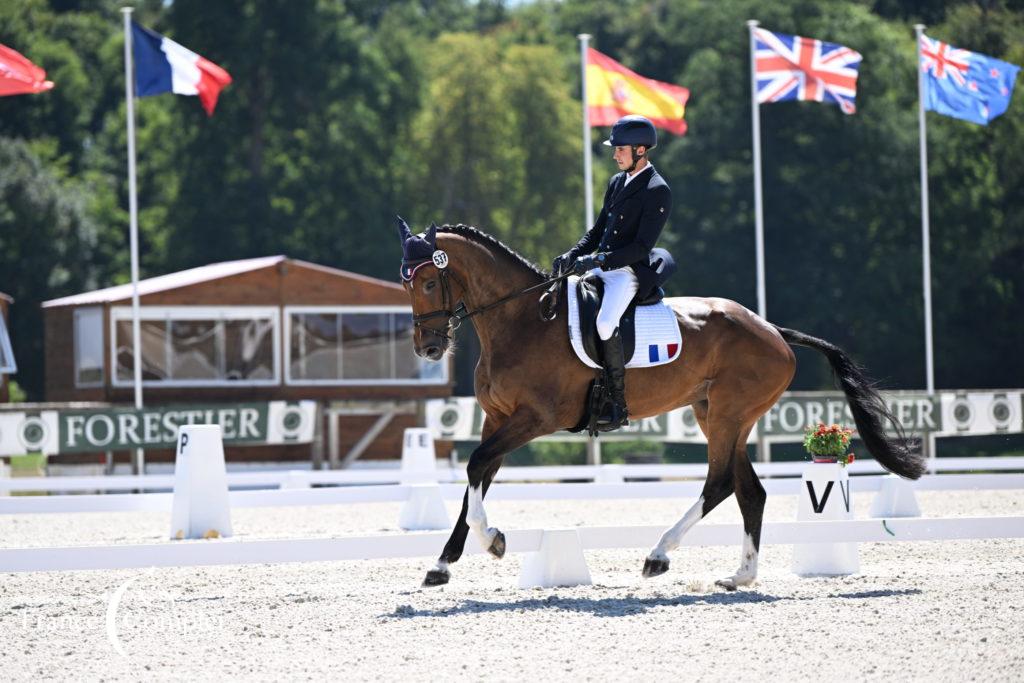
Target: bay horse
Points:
(733, 367)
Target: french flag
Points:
(162, 65)
(661, 352)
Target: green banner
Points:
(77, 431)
(945, 413)
(119, 429)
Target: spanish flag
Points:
(613, 91)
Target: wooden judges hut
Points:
(259, 329)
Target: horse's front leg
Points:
(441, 573)
(517, 430)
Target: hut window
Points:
(89, 347)
(199, 346)
(7, 364)
(355, 345)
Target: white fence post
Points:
(559, 562)
(424, 509)
(295, 479)
(895, 498)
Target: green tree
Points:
(497, 143)
(46, 241)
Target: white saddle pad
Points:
(658, 340)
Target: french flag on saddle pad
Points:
(661, 352)
(162, 65)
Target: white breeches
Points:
(620, 287)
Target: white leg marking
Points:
(477, 518)
(671, 538)
(441, 566)
(747, 572)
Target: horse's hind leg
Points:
(751, 497)
(717, 487)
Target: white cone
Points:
(200, 506)
(419, 464)
(424, 509)
(895, 498)
(559, 562)
(825, 495)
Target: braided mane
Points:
(481, 237)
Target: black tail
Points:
(869, 410)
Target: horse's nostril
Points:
(433, 352)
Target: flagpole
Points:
(593, 446)
(926, 257)
(755, 117)
(588, 170)
(133, 212)
(762, 305)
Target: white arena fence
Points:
(597, 473)
(161, 502)
(234, 552)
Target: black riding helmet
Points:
(633, 130)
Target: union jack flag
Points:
(942, 59)
(798, 68)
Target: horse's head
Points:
(427, 281)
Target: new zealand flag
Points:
(965, 85)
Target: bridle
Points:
(460, 312)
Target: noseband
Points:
(455, 317)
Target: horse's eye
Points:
(429, 285)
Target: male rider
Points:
(617, 248)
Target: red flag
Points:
(18, 76)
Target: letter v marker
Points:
(818, 507)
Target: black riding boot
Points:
(615, 414)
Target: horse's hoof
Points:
(654, 567)
(497, 547)
(733, 582)
(436, 577)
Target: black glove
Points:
(562, 263)
(589, 262)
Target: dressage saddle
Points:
(589, 291)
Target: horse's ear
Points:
(404, 232)
(431, 235)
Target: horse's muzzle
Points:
(431, 352)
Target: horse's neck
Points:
(488, 277)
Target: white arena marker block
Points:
(609, 474)
(424, 509)
(419, 463)
(825, 496)
(200, 506)
(895, 498)
(559, 562)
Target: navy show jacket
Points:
(627, 229)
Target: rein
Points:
(460, 313)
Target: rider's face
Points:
(622, 157)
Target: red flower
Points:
(851, 458)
